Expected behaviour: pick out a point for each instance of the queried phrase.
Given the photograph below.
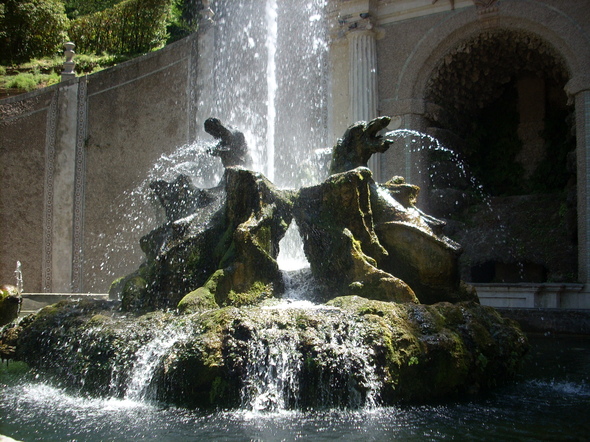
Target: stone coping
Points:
(534, 295)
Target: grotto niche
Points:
(504, 112)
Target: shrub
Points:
(31, 28)
(184, 18)
(130, 27)
(79, 8)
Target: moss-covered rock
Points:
(231, 236)
(336, 222)
(442, 349)
(360, 240)
(197, 300)
(349, 352)
(10, 302)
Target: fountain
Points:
(202, 324)
(212, 322)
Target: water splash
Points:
(272, 374)
(276, 355)
(420, 141)
(414, 141)
(149, 358)
(19, 277)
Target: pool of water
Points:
(550, 402)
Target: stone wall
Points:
(71, 152)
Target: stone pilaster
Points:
(363, 75)
(582, 102)
(578, 89)
(363, 78)
(64, 189)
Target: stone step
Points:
(32, 302)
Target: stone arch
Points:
(526, 16)
(550, 31)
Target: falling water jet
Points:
(434, 144)
(19, 277)
(431, 143)
(271, 81)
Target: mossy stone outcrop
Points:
(336, 222)
(204, 306)
(229, 243)
(10, 302)
(351, 351)
(368, 239)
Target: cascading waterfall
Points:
(272, 372)
(275, 361)
(149, 358)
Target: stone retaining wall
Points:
(70, 151)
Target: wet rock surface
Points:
(348, 352)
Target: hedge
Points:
(130, 27)
(31, 29)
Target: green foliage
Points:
(130, 27)
(31, 28)
(31, 81)
(89, 63)
(79, 8)
(183, 18)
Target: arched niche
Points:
(466, 65)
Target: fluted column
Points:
(363, 75)
(578, 89)
(363, 82)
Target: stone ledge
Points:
(528, 295)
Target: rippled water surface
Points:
(550, 403)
